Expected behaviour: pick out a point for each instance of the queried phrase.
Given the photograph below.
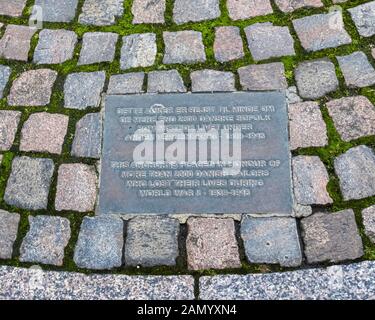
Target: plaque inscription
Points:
(196, 153)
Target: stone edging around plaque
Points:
(339, 282)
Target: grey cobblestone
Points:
(310, 179)
(8, 233)
(353, 117)
(331, 237)
(268, 41)
(211, 244)
(44, 132)
(148, 11)
(32, 88)
(228, 44)
(307, 127)
(301, 211)
(364, 18)
(126, 83)
(263, 77)
(138, 50)
(83, 90)
(55, 46)
(292, 5)
(101, 13)
(316, 78)
(357, 70)
(195, 10)
(88, 137)
(9, 121)
(58, 10)
(292, 95)
(15, 43)
(322, 31)
(46, 240)
(271, 240)
(13, 8)
(152, 241)
(76, 187)
(368, 216)
(356, 172)
(183, 47)
(245, 9)
(100, 243)
(212, 81)
(98, 47)
(29, 183)
(165, 81)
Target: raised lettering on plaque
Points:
(196, 154)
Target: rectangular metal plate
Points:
(263, 184)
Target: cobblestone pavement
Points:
(53, 81)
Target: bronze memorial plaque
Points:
(196, 154)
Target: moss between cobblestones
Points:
(124, 27)
(327, 154)
(5, 171)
